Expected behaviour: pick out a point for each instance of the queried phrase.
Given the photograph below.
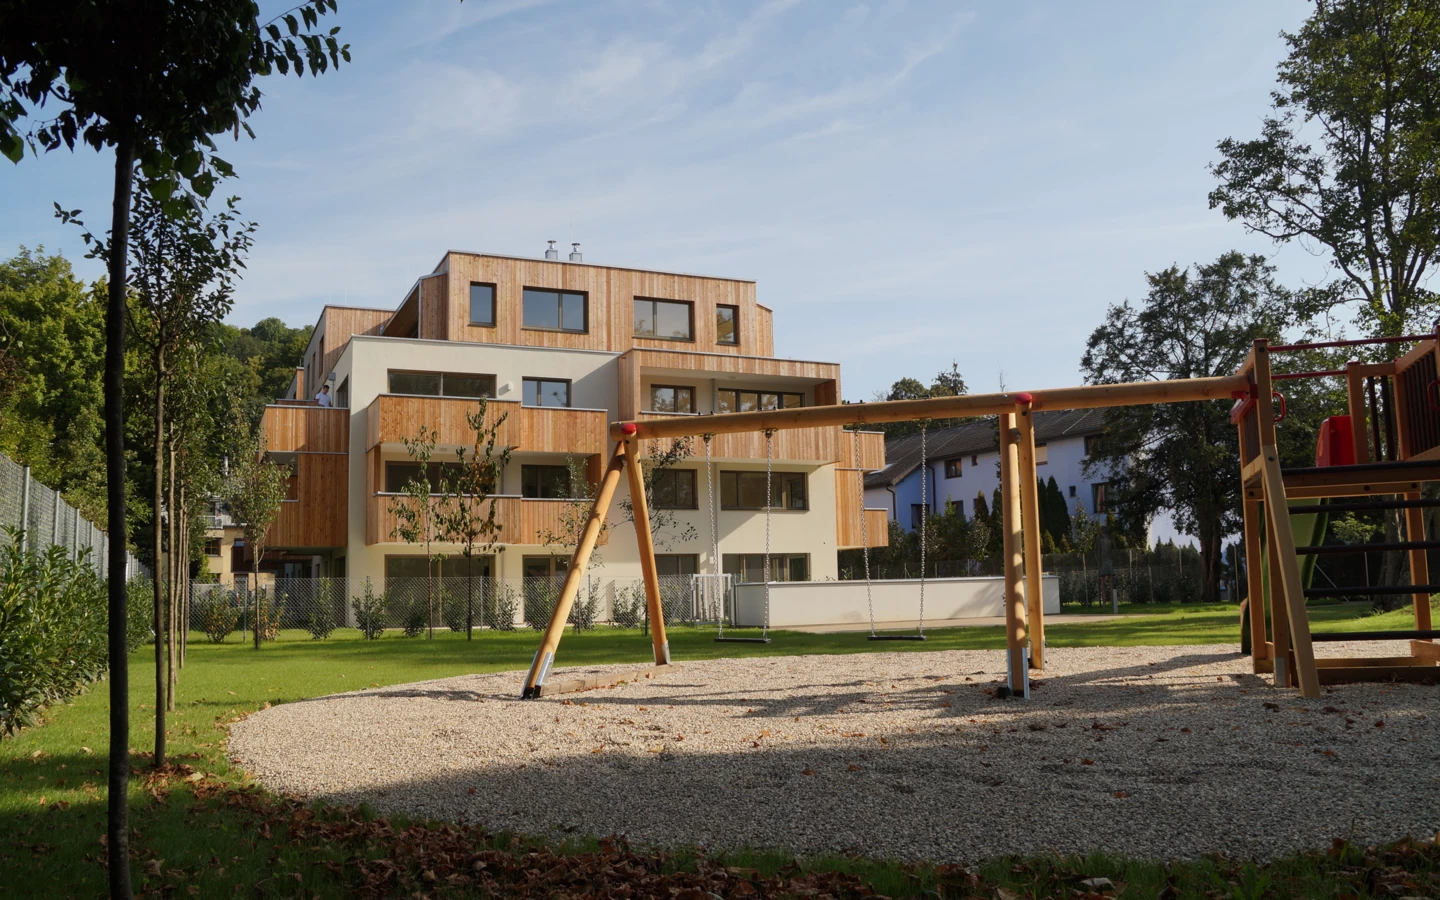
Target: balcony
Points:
(821, 445)
(306, 429)
(848, 508)
(580, 432)
(522, 521)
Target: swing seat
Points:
(897, 637)
(735, 640)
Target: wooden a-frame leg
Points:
(540, 666)
(1255, 588)
(1279, 619)
(1292, 588)
(645, 539)
(1030, 513)
(1011, 526)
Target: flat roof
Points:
(566, 262)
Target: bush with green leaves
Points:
(139, 613)
(501, 607)
(628, 611)
(320, 621)
(586, 608)
(369, 610)
(414, 617)
(219, 614)
(52, 630)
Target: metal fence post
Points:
(25, 509)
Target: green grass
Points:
(52, 783)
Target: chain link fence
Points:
(47, 521)
(319, 608)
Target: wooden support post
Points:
(1255, 588)
(645, 539)
(1292, 588)
(540, 666)
(1030, 512)
(1011, 530)
(1419, 563)
(1355, 400)
(1279, 647)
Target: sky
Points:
(909, 183)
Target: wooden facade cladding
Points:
(824, 377)
(339, 324)
(306, 429)
(848, 507)
(823, 444)
(872, 451)
(610, 292)
(318, 517)
(521, 521)
(765, 317)
(535, 429)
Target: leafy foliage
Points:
(254, 493)
(138, 630)
(666, 528)
(218, 615)
(369, 610)
(468, 517)
(52, 629)
(417, 521)
(947, 383)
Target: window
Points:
(974, 460)
(1072, 490)
(1098, 496)
(674, 489)
(750, 567)
(482, 304)
(727, 324)
(545, 482)
(399, 474)
(442, 384)
(292, 484)
(1092, 444)
(1042, 454)
(545, 566)
(750, 401)
(546, 392)
(952, 468)
(677, 564)
(746, 490)
(955, 506)
(554, 310)
(342, 393)
(917, 515)
(672, 398)
(212, 546)
(672, 320)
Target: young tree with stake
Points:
(257, 488)
(468, 518)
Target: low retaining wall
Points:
(801, 604)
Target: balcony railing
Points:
(521, 520)
(822, 444)
(306, 429)
(581, 432)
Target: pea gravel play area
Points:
(1158, 752)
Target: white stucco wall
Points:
(805, 604)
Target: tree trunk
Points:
(1210, 552)
(255, 587)
(157, 503)
(117, 813)
(469, 594)
(184, 578)
(172, 632)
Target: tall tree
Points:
(256, 488)
(155, 80)
(418, 518)
(947, 383)
(1349, 158)
(1194, 323)
(468, 518)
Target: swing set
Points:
(1405, 460)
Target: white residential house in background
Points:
(964, 461)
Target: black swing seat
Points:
(897, 637)
(733, 640)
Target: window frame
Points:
(953, 468)
(785, 560)
(1098, 500)
(391, 373)
(1092, 444)
(216, 543)
(494, 304)
(783, 478)
(734, 324)
(655, 318)
(780, 399)
(526, 468)
(680, 560)
(1042, 454)
(559, 310)
(694, 478)
(569, 392)
(674, 387)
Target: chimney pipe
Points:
(575, 253)
(551, 252)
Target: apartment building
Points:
(561, 348)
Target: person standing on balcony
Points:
(323, 398)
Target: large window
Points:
(917, 516)
(1042, 454)
(212, 546)
(554, 310)
(746, 490)
(400, 474)
(670, 320)
(783, 566)
(545, 482)
(342, 393)
(750, 401)
(952, 468)
(1092, 444)
(545, 566)
(482, 304)
(727, 324)
(674, 489)
(672, 398)
(677, 564)
(442, 384)
(1099, 498)
(546, 392)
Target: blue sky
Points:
(908, 182)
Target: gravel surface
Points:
(1161, 752)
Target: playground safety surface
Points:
(1160, 752)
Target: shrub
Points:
(267, 616)
(139, 612)
(586, 607)
(218, 615)
(540, 596)
(503, 603)
(452, 610)
(320, 621)
(415, 618)
(52, 629)
(369, 612)
(629, 608)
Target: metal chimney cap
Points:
(551, 252)
(575, 255)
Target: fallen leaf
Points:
(86, 750)
(1087, 762)
(1121, 795)
(807, 771)
(852, 768)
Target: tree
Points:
(416, 518)
(947, 383)
(155, 80)
(1349, 158)
(476, 473)
(255, 491)
(1195, 323)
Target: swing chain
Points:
(769, 502)
(924, 515)
(864, 534)
(714, 531)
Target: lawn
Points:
(213, 836)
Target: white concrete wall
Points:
(803, 604)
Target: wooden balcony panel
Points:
(872, 451)
(306, 429)
(822, 444)
(393, 417)
(847, 515)
(581, 432)
(540, 518)
(318, 517)
(521, 521)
